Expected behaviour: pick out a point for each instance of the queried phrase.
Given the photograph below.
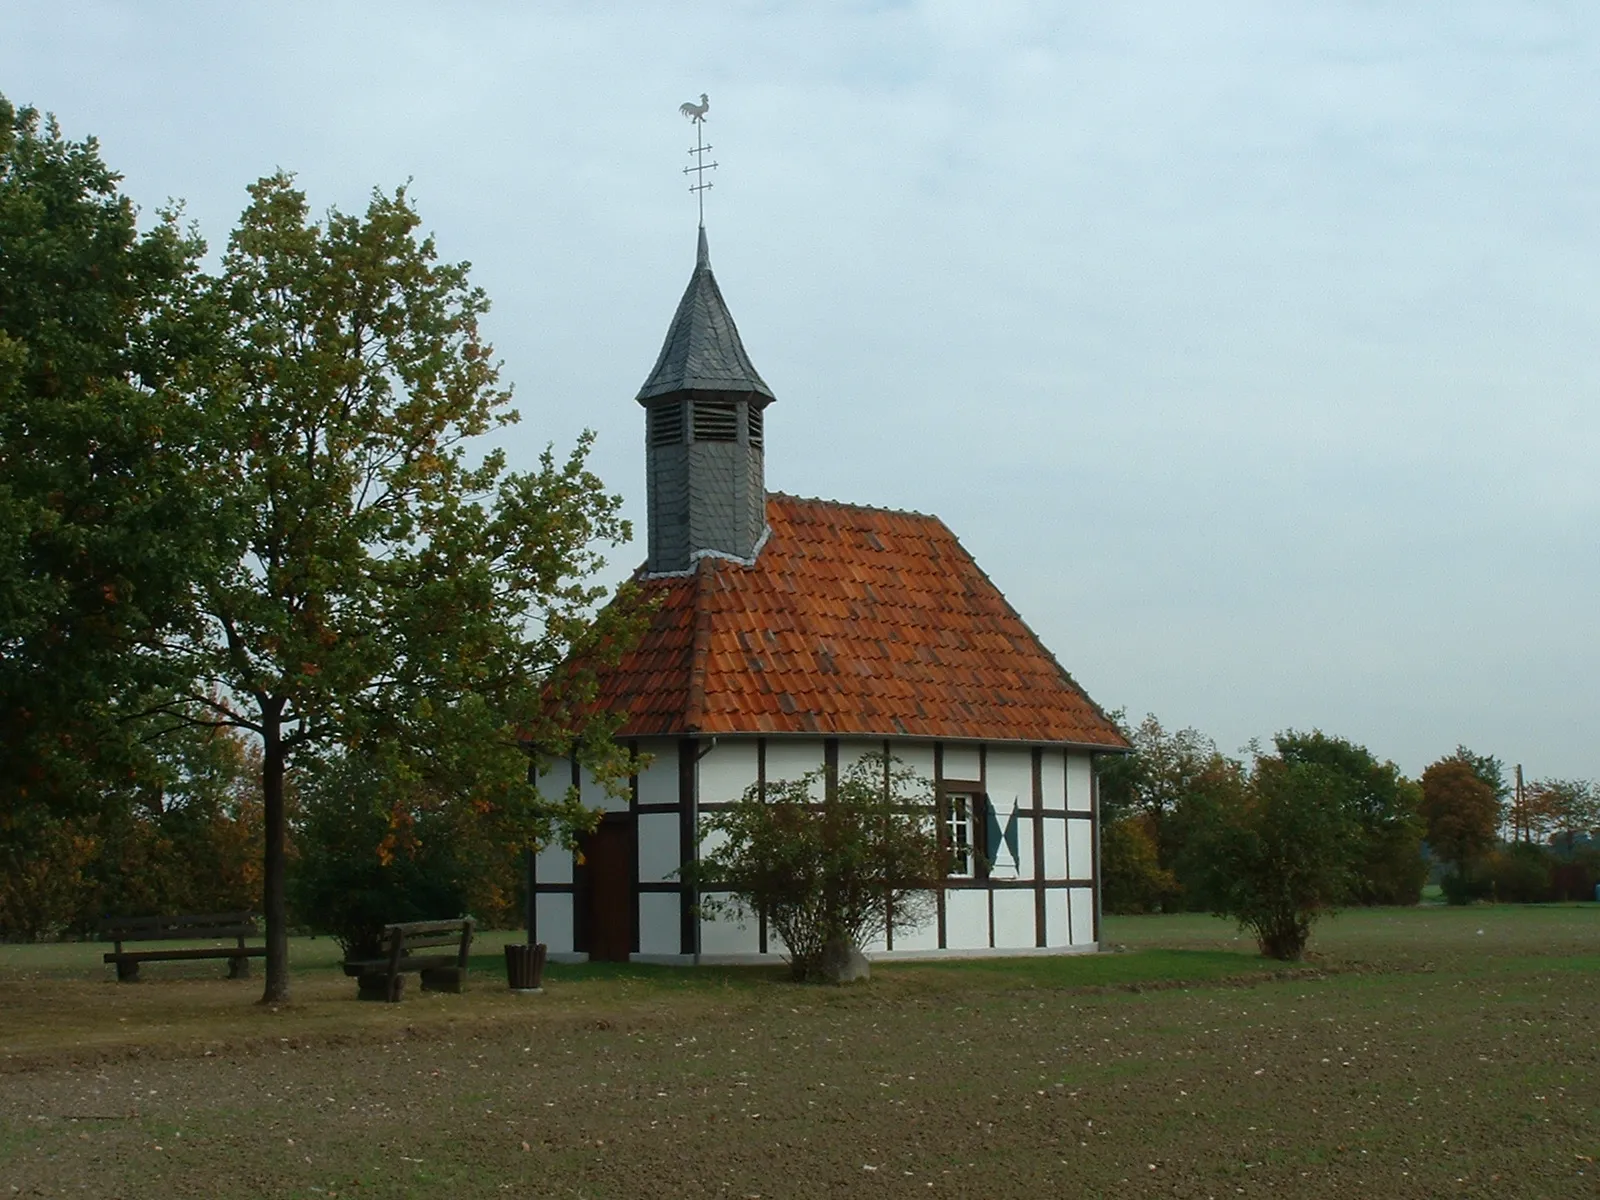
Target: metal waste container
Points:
(525, 967)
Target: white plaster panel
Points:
(659, 932)
(1013, 918)
(1080, 777)
(1082, 916)
(966, 919)
(553, 864)
(658, 783)
(711, 840)
(730, 935)
(658, 847)
(1056, 930)
(1080, 849)
(1024, 847)
(553, 918)
(726, 770)
(1053, 779)
(554, 780)
(594, 795)
(1055, 848)
(852, 751)
(923, 936)
(790, 758)
(917, 757)
(1008, 774)
(960, 762)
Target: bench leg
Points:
(238, 968)
(444, 979)
(380, 987)
(127, 972)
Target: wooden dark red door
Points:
(608, 856)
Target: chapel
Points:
(793, 634)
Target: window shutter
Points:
(991, 844)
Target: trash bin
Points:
(525, 968)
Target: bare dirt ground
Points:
(1428, 1059)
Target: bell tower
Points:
(704, 403)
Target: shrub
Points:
(1520, 874)
(374, 850)
(829, 869)
(1279, 853)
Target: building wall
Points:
(1042, 900)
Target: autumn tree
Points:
(388, 588)
(1560, 810)
(1461, 812)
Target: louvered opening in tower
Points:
(666, 424)
(755, 427)
(716, 421)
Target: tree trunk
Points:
(275, 825)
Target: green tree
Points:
(102, 523)
(827, 870)
(1390, 868)
(1279, 853)
(382, 588)
(1462, 812)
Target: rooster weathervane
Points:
(697, 114)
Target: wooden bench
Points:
(436, 950)
(203, 927)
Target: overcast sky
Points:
(1249, 347)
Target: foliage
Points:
(1131, 877)
(825, 867)
(1461, 812)
(382, 589)
(1165, 780)
(1280, 852)
(372, 850)
(1486, 768)
(1559, 810)
(1520, 874)
(1390, 866)
(101, 522)
(187, 839)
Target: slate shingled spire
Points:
(703, 435)
(703, 350)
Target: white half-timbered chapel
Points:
(793, 634)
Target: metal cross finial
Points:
(697, 114)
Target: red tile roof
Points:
(852, 621)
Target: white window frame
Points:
(958, 810)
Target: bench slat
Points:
(207, 952)
(209, 925)
(453, 940)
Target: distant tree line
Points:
(1188, 828)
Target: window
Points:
(960, 828)
(666, 424)
(716, 421)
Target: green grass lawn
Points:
(1418, 1052)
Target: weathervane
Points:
(697, 114)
